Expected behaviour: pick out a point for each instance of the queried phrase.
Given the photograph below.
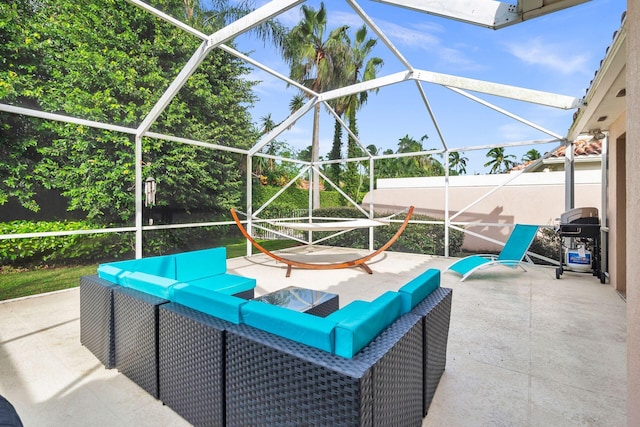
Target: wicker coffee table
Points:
(318, 303)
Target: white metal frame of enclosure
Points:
(459, 85)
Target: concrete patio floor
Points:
(524, 348)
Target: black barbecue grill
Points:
(580, 226)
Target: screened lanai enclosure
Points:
(408, 88)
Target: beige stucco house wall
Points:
(632, 208)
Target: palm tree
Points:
(296, 103)
(359, 69)
(531, 155)
(311, 60)
(424, 165)
(223, 12)
(500, 162)
(457, 163)
(267, 125)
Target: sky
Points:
(557, 53)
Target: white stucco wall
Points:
(532, 198)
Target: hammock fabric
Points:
(360, 262)
(331, 226)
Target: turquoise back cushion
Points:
(198, 264)
(112, 273)
(301, 327)
(418, 289)
(163, 266)
(214, 303)
(361, 322)
(225, 283)
(151, 284)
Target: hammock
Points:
(360, 262)
(332, 226)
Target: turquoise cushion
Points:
(418, 289)
(360, 322)
(229, 284)
(163, 266)
(153, 285)
(111, 273)
(198, 264)
(216, 304)
(301, 327)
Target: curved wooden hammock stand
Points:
(360, 262)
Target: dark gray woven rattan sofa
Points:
(214, 372)
(120, 327)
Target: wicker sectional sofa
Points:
(205, 358)
(143, 278)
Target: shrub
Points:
(59, 249)
(291, 199)
(547, 244)
(160, 242)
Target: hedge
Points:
(75, 248)
(417, 238)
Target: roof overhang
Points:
(605, 100)
(486, 13)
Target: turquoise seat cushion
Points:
(301, 327)
(214, 303)
(229, 284)
(361, 322)
(417, 289)
(199, 264)
(150, 284)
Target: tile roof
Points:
(591, 147)
(581, 148)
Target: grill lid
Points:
(576, 214)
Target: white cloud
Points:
(423, 36)
(551, 55)
(290, 18)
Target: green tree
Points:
(262, 164)
(359, 69)
(18, 141)
(335, 169)
(457, 163)
(425, 165)
(311, 59)
(531, 155)
(110, 61)
(500, 162)
(388, 167)
(305, 154)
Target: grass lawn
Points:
(24, 283)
